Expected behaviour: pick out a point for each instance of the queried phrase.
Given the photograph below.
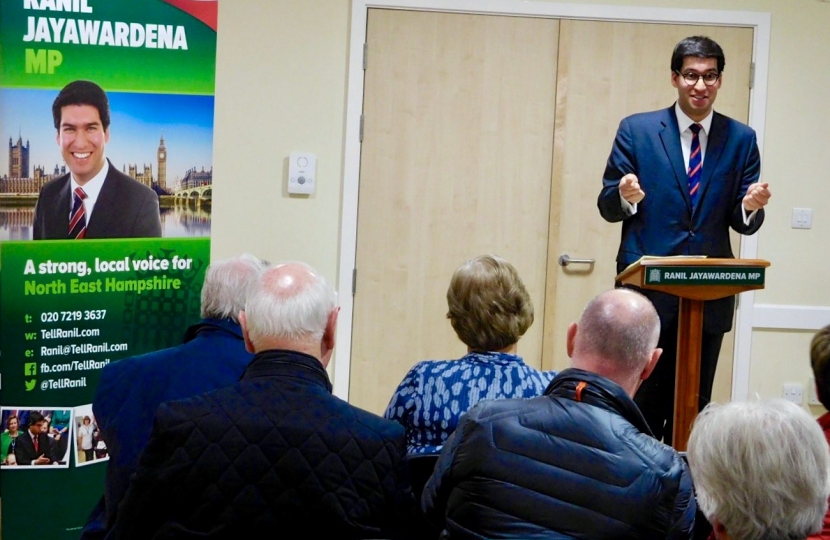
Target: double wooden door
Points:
(489, 134)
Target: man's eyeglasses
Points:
(691, 77)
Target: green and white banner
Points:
(70, 307)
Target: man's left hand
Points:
(757, 196)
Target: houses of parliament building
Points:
(19, 181)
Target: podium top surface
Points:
(697, 278)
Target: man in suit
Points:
(94, 200)
(212, 356)
(678, 179)
(33, 447)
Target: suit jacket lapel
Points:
(714, 148)
(58, 215)
(670, 136)
(105, 207)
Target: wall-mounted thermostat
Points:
(302, 168)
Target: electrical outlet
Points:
(802, 218)
(793, 392)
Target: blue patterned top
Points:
(434, 394)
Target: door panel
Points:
(455, 162)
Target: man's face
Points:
(82, 139)
(696, 100)
(35, 428)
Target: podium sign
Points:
(693, 280)
(694, 275)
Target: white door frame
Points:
(760, 22)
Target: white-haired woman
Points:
(761, 470)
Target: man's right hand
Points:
(630, 189)
(42, 460)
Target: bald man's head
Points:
(616, 335)
(288, 303)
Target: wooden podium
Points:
(693, 280)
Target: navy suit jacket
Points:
(648, 145)
(212, 356)
(24, 448)
(125, 209)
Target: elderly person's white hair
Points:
(761, 469)
(289, 302)
(226, 286)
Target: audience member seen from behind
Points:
(761, 470)
(212, 356)
(820, 362)
(489, 309)
(577, 462)
(276, 453)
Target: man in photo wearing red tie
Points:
(94, 200)
(678, 179)
(33, 446)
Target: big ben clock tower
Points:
(162, 168)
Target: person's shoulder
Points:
(54, 185)
(660, 458)
(734, 126)
(128, 183)
(498, 411)
(192, 410)
(368, 422)
(141, 364)
(648, 116)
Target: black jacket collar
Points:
(599, 392)
(283, 363)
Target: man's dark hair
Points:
(82, 93)
(820, 362)
(34, 418)
(700, 47)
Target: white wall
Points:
(281, 87)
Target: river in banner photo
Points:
(179, 219)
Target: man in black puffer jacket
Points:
(578, 462)
(275, 455)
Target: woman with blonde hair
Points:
(489, 309)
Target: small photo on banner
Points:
(90, 447)
(35, 438)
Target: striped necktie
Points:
(77, 219)
(695, 164)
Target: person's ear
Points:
(329, 337)
(720, 531)
(674, 81)
(571, 338)
(651, 364)
(243, 322)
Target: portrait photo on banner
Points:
(157, 147)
